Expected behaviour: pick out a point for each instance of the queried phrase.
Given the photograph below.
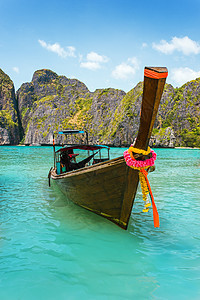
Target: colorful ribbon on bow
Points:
(143, 166)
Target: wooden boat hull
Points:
(107, 189)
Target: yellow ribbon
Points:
(139, 151)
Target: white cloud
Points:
(144, 45)
(93, 61)
(184, 45)
(71, 51)
(134, 62)
(183, 75)
(16, 69)
(91, 65)
(122, 71)
(56, 48)
(93, 56)
(126, 69)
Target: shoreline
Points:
(187, 148)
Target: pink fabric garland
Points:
(139, 163)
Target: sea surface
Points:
(52, 249)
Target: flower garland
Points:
(133, 163)
(142, 166)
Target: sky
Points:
(103, 43)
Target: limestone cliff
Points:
(50, 103)
(180, 112)
(9, 126)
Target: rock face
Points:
(164, 138)
(50, 103)
(9, 126)
(180, 112)
(47, 104)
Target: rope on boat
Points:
(142, 160)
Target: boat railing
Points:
(67, 160)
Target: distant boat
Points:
(96, 183)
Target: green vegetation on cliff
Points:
(9, 129)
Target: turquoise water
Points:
(52, 249)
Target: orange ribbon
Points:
(155, 212)
(154, 74)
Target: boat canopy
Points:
(71, 131)
(82, 147)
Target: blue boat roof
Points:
(71, 131)
(82, 147)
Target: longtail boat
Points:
(107, 186)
